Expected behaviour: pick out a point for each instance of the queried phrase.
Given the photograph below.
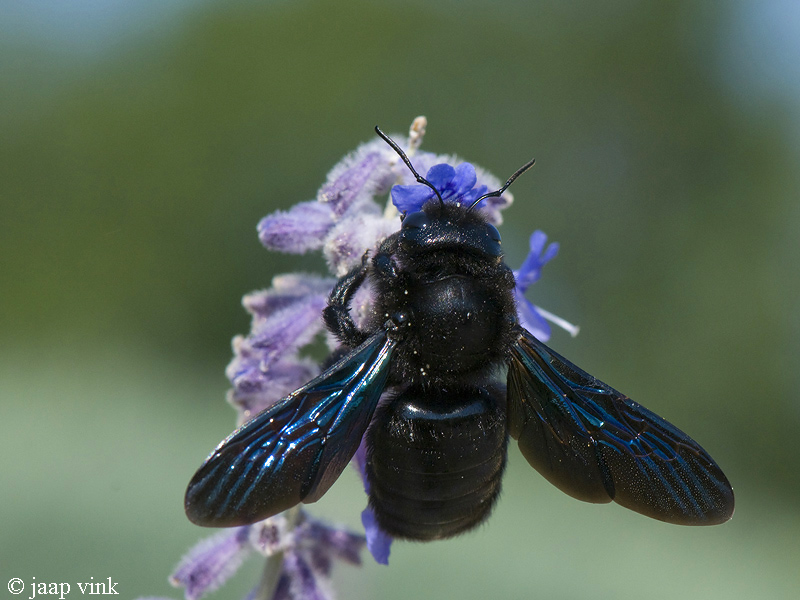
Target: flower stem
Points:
(271, 575)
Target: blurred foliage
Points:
(131, 183)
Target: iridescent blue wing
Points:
(598, 445)
(293, 451)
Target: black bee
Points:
(444, 330)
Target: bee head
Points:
(442, 225)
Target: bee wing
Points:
(597, 445)
(293, 451)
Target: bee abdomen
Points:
(435, 463)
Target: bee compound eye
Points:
(416, 220)
(493, 233)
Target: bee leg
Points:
(337, 314)
(386, 266)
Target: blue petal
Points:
(530, 318)
(464, 179)
(410, 198)
(473, 195)
(456, 183)
(550, 253)
(378, 541)
(531, 268)
(441, 176)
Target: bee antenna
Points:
(511, 179)
(420, 178)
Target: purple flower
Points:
(266, 364)
(455, 184)
(305, 547)
(378, 541)
(455, 187)
(212, 562)
(534, 318)
(347, 195)
(345, 219)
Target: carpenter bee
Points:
(423, 381)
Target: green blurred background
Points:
(141, 142)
